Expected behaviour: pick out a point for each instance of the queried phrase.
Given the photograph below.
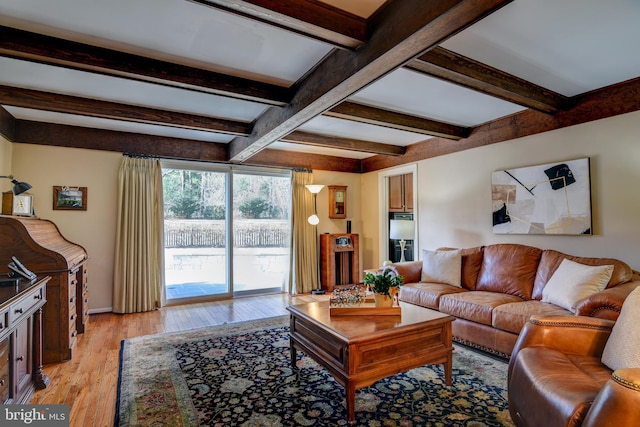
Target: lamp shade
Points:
(314, 188)
(400, 229)
(18, 187)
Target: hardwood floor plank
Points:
(89, 381)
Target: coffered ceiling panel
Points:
(376, 83)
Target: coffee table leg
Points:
(351, 402)
(448, 369)
(292, 350)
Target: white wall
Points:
(46, 166)
(454, 191)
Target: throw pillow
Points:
(622, 349)
(442, 267)
(572, 282)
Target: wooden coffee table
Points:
(360, 350)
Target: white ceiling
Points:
(568, 46)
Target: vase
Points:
(383, 301)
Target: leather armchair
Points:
(556, 377)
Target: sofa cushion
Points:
(518, 278)
(476, 306)
(426, 294)
(471, 263)
(513, 316)
(572, 282)
(550, 261)
(442, 267)
(622, 349)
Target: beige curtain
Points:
(303, 276)
(139, 271)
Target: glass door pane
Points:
(195, 206)
(261, 232)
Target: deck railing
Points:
(258, 233)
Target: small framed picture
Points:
(69, 198)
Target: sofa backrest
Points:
(411, 271)
(551, 260)
(471, 263)
(510, 269)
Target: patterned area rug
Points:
(239, 374)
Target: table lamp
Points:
(400, 229)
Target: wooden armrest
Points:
(617, 402)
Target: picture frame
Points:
(69, 198)
(550, 199)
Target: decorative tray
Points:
(366, 309)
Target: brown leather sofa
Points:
(502, 288)
(556, 377)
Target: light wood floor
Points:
(88, 382)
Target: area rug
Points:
(239, 374)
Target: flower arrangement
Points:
(383, 280)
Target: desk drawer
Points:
(22, 307)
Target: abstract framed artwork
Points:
(553, 198)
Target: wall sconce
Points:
(402, 230)
(18, 187)
(314, 189)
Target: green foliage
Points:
(193, 194)
(183, 207)
(254, 208)
(383, 280)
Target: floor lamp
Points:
(402, 229)
(314, 220)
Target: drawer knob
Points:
(1, 382)
(37, 296)
(71, 299)
(20, 358)
(18, 310)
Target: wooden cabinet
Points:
(21, 340)
(401, 193)
(339, 260)
(337, 201)
(38, 244)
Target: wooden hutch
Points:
(21, 340)
(38, 244)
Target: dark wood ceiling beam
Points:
(293, 159)
(54, 51)
(603, 103)
(30, 132)
(461, 70)
(313, 19)
(28, 98)
(400, 31)
(7, 125)
(394, 120)
(306, 138)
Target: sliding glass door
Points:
(261, 231)
(203, 258)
